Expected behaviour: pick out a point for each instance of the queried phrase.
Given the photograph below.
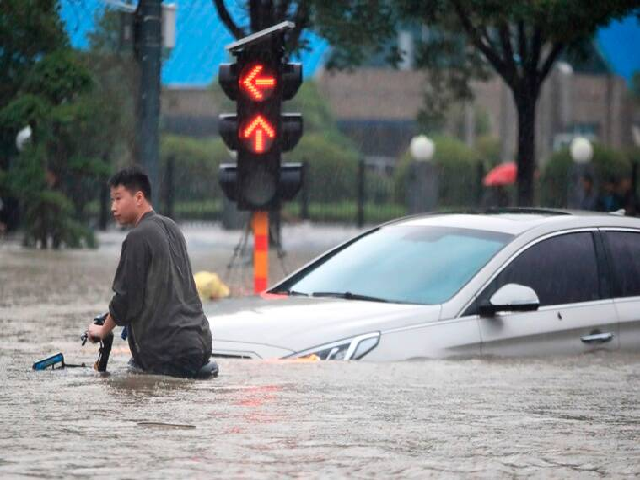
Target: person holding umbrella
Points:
(498, 179)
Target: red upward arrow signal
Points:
(262, 131)
(257, 86)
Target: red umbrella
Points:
(503, 174)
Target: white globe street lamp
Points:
(23, 137)
(422, 148)
(422, 182)
(581, 150)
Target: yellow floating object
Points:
(209, 286)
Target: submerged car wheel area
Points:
(511, 283)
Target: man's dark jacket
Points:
(156, 297)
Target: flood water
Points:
(553, 418)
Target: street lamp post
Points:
(581, 150)
(23, 137)
(9, 206)
(422, 184)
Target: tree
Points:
(115, 74)
(520, 41)
(55, 175)
(360, 27)
(29, 29)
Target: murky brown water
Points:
(574, 417)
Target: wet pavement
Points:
(544, 418)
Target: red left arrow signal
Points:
(260, 133)
(257, 84)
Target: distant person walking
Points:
(589, 200)
(627, 198)
(609, 201)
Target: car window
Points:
(561, 270)
(624, 251)
(406, 264)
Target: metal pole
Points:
(169, 188)
(260, 251)
(479, 188)
(148, 51)
(104, 206)
(304, 194)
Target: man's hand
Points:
(95, 332)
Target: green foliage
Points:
(196, 165)
(314, 108)
(27, 109)
(29, 29)
(80, 108)
(331, 157)
(450, 66)
(114, 74)
(54, 176)
(452, 120)
(50, 215)
(59, 77)
(332, 165)
(633, 154)
(607, 163)
(457, 173)
(346, 211)
(360, 27)
(356, 29)
(489, 150)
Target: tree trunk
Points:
(526, 155)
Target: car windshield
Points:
(403, 264)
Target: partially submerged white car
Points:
(509, 283)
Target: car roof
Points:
(518, 220)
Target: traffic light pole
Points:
(260, 251)
(148, 47)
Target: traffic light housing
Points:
(259, 82)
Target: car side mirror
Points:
(510, 298)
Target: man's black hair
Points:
(134, 180)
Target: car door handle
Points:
(597, 338)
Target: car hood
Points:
(292, 324)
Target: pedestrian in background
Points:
(589, 200)
(609, 200)
(627, 198)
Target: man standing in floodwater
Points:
(155, 293)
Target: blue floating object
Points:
(50, 362)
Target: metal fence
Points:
(372, 193)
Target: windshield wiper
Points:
(291, 293)
(349, 296)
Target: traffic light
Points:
(259, 132)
